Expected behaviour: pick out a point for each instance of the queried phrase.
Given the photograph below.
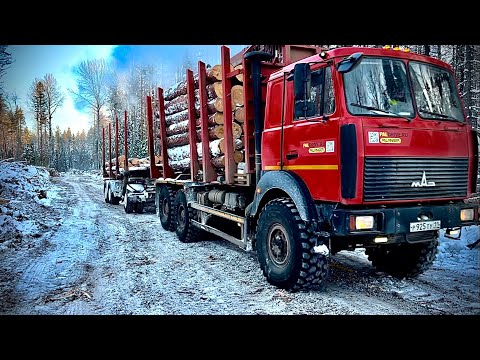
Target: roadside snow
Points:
(26, 193)
(456, 256)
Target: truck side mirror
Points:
(302, 81)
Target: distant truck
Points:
(130, 186)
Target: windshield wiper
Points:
(371, 108)
(446, 117)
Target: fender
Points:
(292, 185)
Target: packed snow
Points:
(63, 250)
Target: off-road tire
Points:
(184, 215)
(165, 207)
(403, 260)
(115, 200)
(128, 205)
(106, 189)
(284, 244)
(139, 207)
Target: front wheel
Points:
(285, 248)
(403, 260)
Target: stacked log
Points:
(177, 120)
(132, 162)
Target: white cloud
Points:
(67, 116)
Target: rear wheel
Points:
(128, 205)
(115, 200)
(184, 215)
(106, 190)
(139, 207)
(165, 207)
(110, 196)
(285, 248)
(403, 260)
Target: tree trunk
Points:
(238, 144)
(180, 165)
(97, 141)
(176, 118)
(218, 104)
(236, 130)
(237, 96)
(179, 89)
(216, 119)
(215, 90)
(178, 128)
(239, 114)
(50, 142)
(468, 80)
(239, 76)
(427, 50)
(219, 161)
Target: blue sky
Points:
(34, 61)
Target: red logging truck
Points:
(346, 148)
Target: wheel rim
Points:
(181, 216)
(165, 207)
(278, 244)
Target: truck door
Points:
(310, 146)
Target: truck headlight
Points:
(466, 214)
(361, 222)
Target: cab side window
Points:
(321, 101)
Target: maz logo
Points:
(424, 182)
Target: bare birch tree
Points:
(92, 78)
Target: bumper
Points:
(393, 221)
(145, 196)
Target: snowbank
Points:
(24, 191)
(452, 253)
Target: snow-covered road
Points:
(93, 258)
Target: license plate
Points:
(424, 226)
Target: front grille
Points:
(391, 178)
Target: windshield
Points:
(435, 92)
(378, 86)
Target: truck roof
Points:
(342, 52)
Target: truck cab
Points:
(378, 141)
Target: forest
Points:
(108, 93)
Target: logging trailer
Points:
(131, 186)
(346, 148)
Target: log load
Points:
(215, 132)
(219, 161)
(217, 148)
(180, 103)
(214, 74)
(177, 121)
(182, 127)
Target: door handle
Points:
(389, 126)
(292, 156)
